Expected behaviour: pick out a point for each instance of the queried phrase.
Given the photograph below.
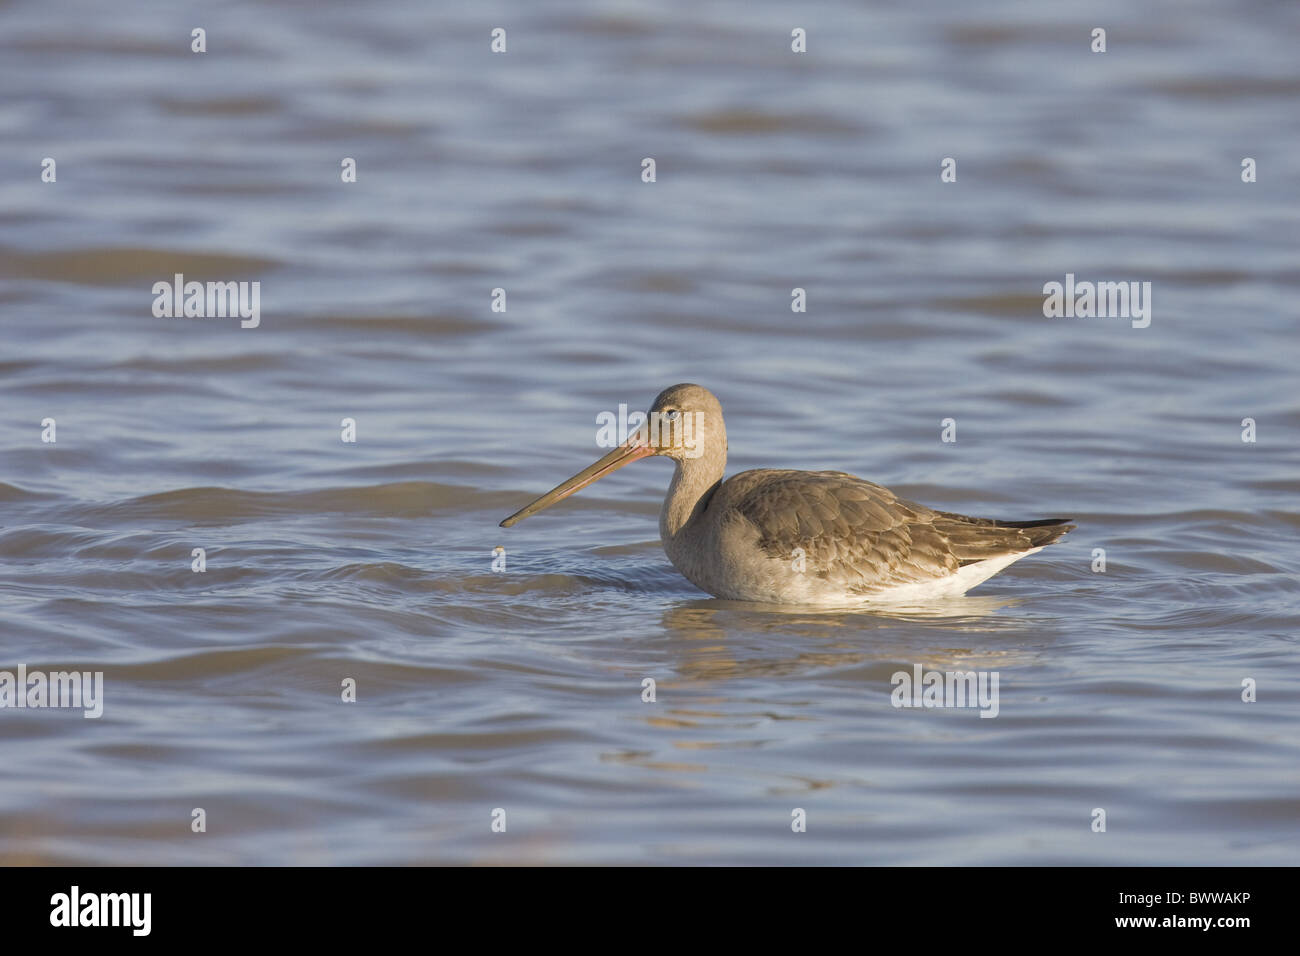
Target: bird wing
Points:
(861, 536)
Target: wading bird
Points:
(801, 537)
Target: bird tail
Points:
(1043, 531)
(978, 539)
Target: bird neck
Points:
(693, 484)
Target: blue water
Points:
(521, 690)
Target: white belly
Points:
(770, 581)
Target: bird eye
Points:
(672, 414)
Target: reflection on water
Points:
(523, 688)
(806, 642)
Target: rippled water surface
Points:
(478, 690)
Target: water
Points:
(522, 690)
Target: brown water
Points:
(521, 690)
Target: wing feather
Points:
(860, 536)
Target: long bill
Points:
(633, 449)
